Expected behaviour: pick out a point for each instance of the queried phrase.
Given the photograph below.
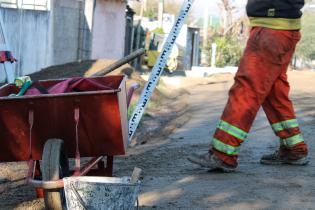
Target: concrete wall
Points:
(40, 39)
(65, 30)
(108, 30)
(28, 35)
(85, 29)
(71, 30)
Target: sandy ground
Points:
(171, 182)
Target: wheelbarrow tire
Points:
(55, 166)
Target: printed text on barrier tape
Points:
(158, 69)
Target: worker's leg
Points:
(279, 110)
(280, 113)
(266, 52)
(258, 70)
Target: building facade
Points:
(50, 32)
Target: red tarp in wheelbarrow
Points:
(70, 85)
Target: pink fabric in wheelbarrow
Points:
(71, 85)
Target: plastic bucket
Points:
(89, 193)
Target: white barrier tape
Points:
(158, 69)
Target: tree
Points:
(172, 6)
(229, 50)
(227, 9)
(230, 38)
(151, 9)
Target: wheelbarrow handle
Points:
(119, 63)
(39, 183)
(131, 90)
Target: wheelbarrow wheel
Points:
(55, 166)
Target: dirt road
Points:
(171, 182)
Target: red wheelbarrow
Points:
(55, 127)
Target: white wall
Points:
(108, 33)
(65, 30)
(43, 38)
(27, 32)
(39, 39)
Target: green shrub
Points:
(229, 51)
(306, 48)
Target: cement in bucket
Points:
(100, 193)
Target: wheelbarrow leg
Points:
(109, 166)
(34, 172)
(38, 176)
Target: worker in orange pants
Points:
(261, 80)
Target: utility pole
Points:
(143, 8)
(205, 24)
(160, 14)
(213, 56)
(205, 31)
(137, 62)
(145, 5)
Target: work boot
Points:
(284, 157)
(210, 161)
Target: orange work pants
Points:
(261, 80)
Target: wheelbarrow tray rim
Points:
(70, 94)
